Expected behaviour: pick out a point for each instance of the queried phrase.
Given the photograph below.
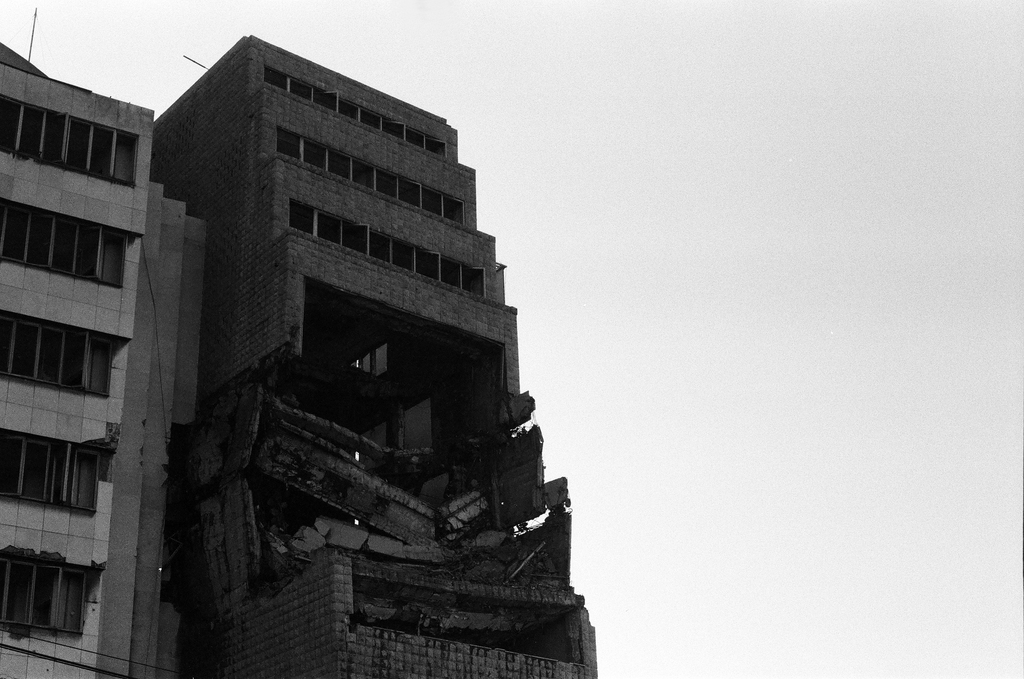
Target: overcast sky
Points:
(768, 264)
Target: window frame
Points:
(67, 490)
(404, 190)
(59, 592)
(366, 240)
(48, 152)
(91, 341)
(106, 269)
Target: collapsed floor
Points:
(461, 541)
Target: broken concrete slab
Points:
(307, 539)
(556, 493)
(384, 545)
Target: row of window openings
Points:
(34, 594)
(361, 238)
(331, 101)
(69, 358)
(61, 244)
(369, 176)
(49, 471)
(58, 138)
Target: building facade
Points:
(305, 436)
(79, 499)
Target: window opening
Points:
(31, 139)
(354, 236)
(427, 263)
(300, 88)
(55, 355)
(36, 594)
(451, 272)
(362, 173)
(394, 128)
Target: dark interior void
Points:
(401, 380)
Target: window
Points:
(43, 239)
(393, 185)
(289, 144)
(363, 239)
(50, 471)
(375, 361)
(330, 100)
(45, 595)
(64, 356)
(56, 138)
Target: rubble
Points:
(434, 536)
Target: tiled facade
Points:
(40, 527)
(97, 538)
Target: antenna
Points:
(195, 62)
(32, 40)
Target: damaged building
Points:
(362, 491)
(260, 412)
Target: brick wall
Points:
(215, 148)
(303, 630)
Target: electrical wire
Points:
(78, 648)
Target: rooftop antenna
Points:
(32, 40)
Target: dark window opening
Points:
(347, 108)
(78, 144)
(23, 357)
(432, 201)
(64, 239)
(427, 263)
(314, 154)
(31, 139)
(387, 183)
(328, 227)
(369, 118)
(73, 363)
(99, 366)
(394, 128)
(402, 254)
(10, 113)
(339, 164)
(435, 146)
(380, 246)
(112, 258)
(451, 272)
(473, 280)
(408, 191)
(452, 209)
(124, 158)
(362, 173)
(325, 99)
(414, 137)
(301, 217)
(50, 351)
(300, 88)
(102, 150)
(354, 236)
(39, 237)
(87, 250)
(275, 78)
(53, 138)
(15, 234)
(288, 144)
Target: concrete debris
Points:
(556, 493)
(307, 540)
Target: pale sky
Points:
(769, 269)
